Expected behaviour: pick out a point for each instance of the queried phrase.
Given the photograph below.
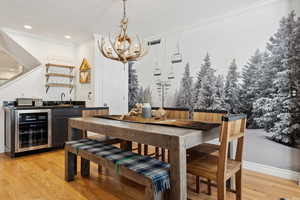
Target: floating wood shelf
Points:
(70, 76)
(61, 66)
(59, 75)
(59, 85)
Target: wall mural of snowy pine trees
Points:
(263, 88)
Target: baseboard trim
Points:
(274, 171)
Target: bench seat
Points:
(145, 170)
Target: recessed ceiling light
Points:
(68, 37)
(28, 27)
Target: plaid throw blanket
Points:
(152, 168)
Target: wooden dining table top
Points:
(163, 129)
(179, 123)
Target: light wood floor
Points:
(41, 177)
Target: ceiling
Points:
(80, 19)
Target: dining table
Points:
(176, 139)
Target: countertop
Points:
(55, 107)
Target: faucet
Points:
(62, 95)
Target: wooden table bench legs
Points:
(85, 167)
(70, 160)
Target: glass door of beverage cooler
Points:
(33, 130)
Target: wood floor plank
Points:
(41, 177)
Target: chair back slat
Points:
(233, 128)
(177, 113)
(209, 116)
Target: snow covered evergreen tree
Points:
(207, 92)
(231, 90)
(266, 76)
(278, 107)
(176, 101)
(133, 86)
(294, 64)
(249, 90)
(147, 96)
(261, 105)
(205, 68)
(140, 98)
(184, 98)
(144, 95)
(220, 96)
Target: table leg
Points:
(85, 167)
(231, 182)
(126, 145)
(145, 149)
(70, 168)
(178, 171)
(74, 134)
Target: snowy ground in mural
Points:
(261, 150)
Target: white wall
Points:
(33, 84)
(86, 50)
(111, 83)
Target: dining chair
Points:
(221, 168)
(208, 116)
(172, 113)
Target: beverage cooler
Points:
(33, 130)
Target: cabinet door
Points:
(60, 125)
(59, 132)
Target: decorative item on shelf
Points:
(123, 48)
(85, 72)
(160, 113)
(69, 76)
(137, 110)
(146, 110)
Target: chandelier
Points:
(123, 48)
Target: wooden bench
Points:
(124, 163)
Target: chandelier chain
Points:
(124, 9)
